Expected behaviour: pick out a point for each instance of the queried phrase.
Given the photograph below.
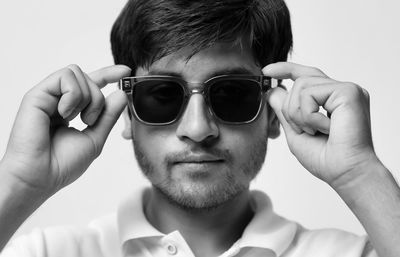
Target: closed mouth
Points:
(198, 159)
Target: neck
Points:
(207, 232)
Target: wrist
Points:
(17, 203)
(359, 172)
(374, 198)
(19, 187)
(361, 181)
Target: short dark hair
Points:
(147, 30)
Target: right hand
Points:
(43, 152)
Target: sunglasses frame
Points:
(127, 85)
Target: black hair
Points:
(147, 30)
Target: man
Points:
(200, 112)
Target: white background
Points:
(355, 41)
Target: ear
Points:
(127, 132)
(273, 124)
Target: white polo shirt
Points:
(128, 233)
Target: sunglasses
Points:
(161, 100)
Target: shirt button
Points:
(171, 249)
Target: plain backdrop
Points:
(355, 41)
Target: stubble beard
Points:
(200, 197)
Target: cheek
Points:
(244, 140)
(153, 142)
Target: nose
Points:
(196, 123)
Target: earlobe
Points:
(127, 132)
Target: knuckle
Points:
(74, 67)
(354, 90)
(30, 93)
(67, 72)
(366, 94)
(30, 97)
(317, 70)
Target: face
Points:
(198, 162)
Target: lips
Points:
(198, 159)
(196, 165)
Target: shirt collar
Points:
(132, 222)
(266, 230)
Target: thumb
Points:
(114, 105)
(275, 98)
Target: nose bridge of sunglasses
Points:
(196, 91)
(198, 88)
(195, 88)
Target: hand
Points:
(43, 152)
(333, 149)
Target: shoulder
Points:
(329, 242)
(98, 238)
(293, 240)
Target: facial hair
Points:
(199, 197)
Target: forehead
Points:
(221, 58)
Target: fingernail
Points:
(324, 131)
(68, 113)
(309, 131)
(91, 118)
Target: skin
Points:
(44, 154)
(202, 194)
(232, 154)
(337, 150)
(342, 155)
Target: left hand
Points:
(330, 148)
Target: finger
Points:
(109, 74)
(86, 95)
(114, 105)
(276, 98)
(43, 107)
(62, 85)
(90, 114)
(311, 100)
(293, 71)
(285, 112)
(295, 113)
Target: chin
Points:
(198, 196)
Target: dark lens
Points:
(235, 100)
(157, 101)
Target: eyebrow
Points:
(228, 71)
